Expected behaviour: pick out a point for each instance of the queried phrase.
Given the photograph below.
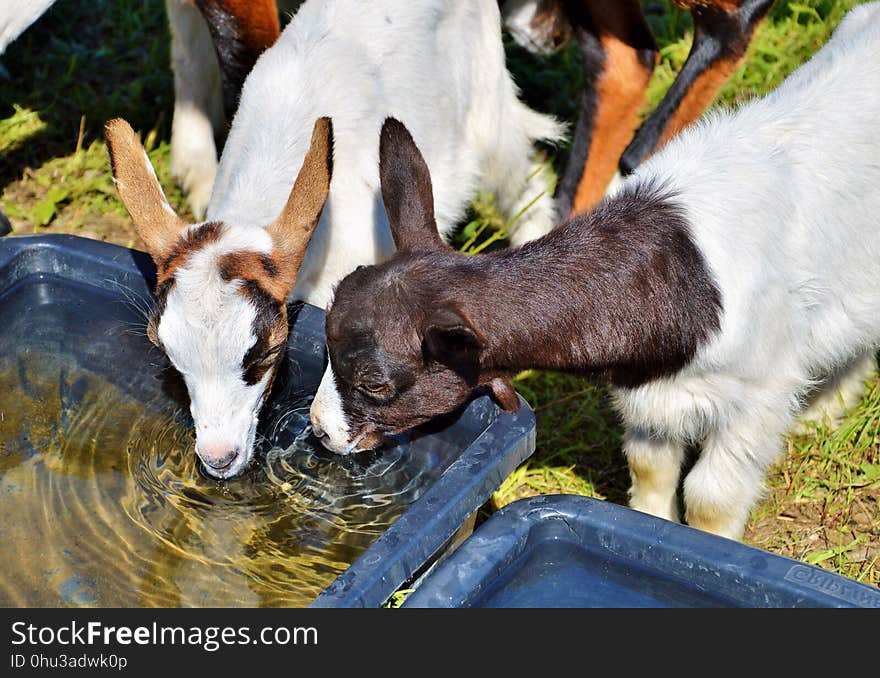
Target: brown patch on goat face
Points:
(270, 329)
(264, 269)
(262, 282)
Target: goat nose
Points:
(218, 458)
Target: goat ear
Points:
(450, 339)
(154, 219)
(292, 230)
(504, 394)
(406, 190)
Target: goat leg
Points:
(618, 54)
(241, 30)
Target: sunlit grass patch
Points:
(578, 449)
(18, 128)
(823, 501)
(788, 37)
(75, 194)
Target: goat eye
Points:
(376, 390)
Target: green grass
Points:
(84, 63)
(80, 65)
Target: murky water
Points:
(102, 503)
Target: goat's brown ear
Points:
(504, 394)
(292, 230)
(449, 338)
(406, 190)
(155, 221)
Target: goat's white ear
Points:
(292, 230)
(406, 190)
(154, 219)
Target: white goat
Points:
(436, 64)
(199, 115)
(16, 16)
(783, 195)
(440, 67)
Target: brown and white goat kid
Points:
(718, 286)
(221, 292)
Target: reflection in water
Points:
(102, 503)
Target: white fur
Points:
(198, 104)
(439, 67)
(518, 16)
(17, 15)
(784, 204)
(328, 417)
(206, 329)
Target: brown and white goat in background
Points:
(618, 54)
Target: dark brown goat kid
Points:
(621, 294)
